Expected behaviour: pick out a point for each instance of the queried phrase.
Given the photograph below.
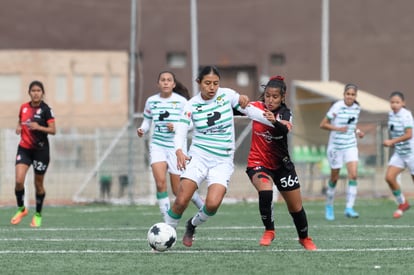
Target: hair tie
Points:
(277, 77)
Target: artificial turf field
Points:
(106, 239)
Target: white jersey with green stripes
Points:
(341, 115)
(162, 111)
(213, 123)
(397, 124)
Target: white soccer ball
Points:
(161, 236)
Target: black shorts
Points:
(38, 158)
(284, 179)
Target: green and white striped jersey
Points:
(162, 111)
(397, 124)
(213, 123)
(341, 115)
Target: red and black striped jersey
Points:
(269, 145)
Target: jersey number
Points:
(289, 181)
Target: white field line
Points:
(218, 239)
(194, 251)
(389, 226)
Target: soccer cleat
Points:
(329, 212)
(36, 220)
(188, 237)
(401, 208)
(350, 213)
(267, 238)
(22, 212)
(308, 244)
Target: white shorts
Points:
(337, 158)
(162, 154)
(402, 163)
(209, 168)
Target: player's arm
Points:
(408, 133)
(145, 126)
(19, 127)
(49, 129)
(327, 125)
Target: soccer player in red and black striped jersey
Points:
(269, 163)
(36, 122)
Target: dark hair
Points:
(397, 93)
(351, 86)
(37, 83)
(166, 72)
(181, 89)
(276, 81)
(205, 71)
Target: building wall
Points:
(84, 88)
(370, 40)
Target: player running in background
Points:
(269, 163)
(36, 121)
(400, 126)
(211, 153)
(164, 109)
(341, 120)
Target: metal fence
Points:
(89, 165)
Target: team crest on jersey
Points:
(220, 100)
(39, 111)
(175, 104)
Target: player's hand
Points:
(388, 143)
(360, 133)
(18, 130)
(170, 127)
(181, 159)
(287, 124)
(33, 125)
(140, 132)
(243, 101)
(270, 116)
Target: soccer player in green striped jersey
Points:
(210, 157)
(341, 120)
(163, 110)
(400, 126)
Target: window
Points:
(61, 89)
(177, 60)
(79, 89)
(243, 79)
(98, 89)
(277, 59)
(10, 88)
(115, 88)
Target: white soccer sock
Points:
(351, 196)
(164, 204)
(196, 199)
(201, 217)
(330, 195)
(173, 221)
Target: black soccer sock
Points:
(19, 197)
(301, 223)
(266, 209)
(39, 202)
